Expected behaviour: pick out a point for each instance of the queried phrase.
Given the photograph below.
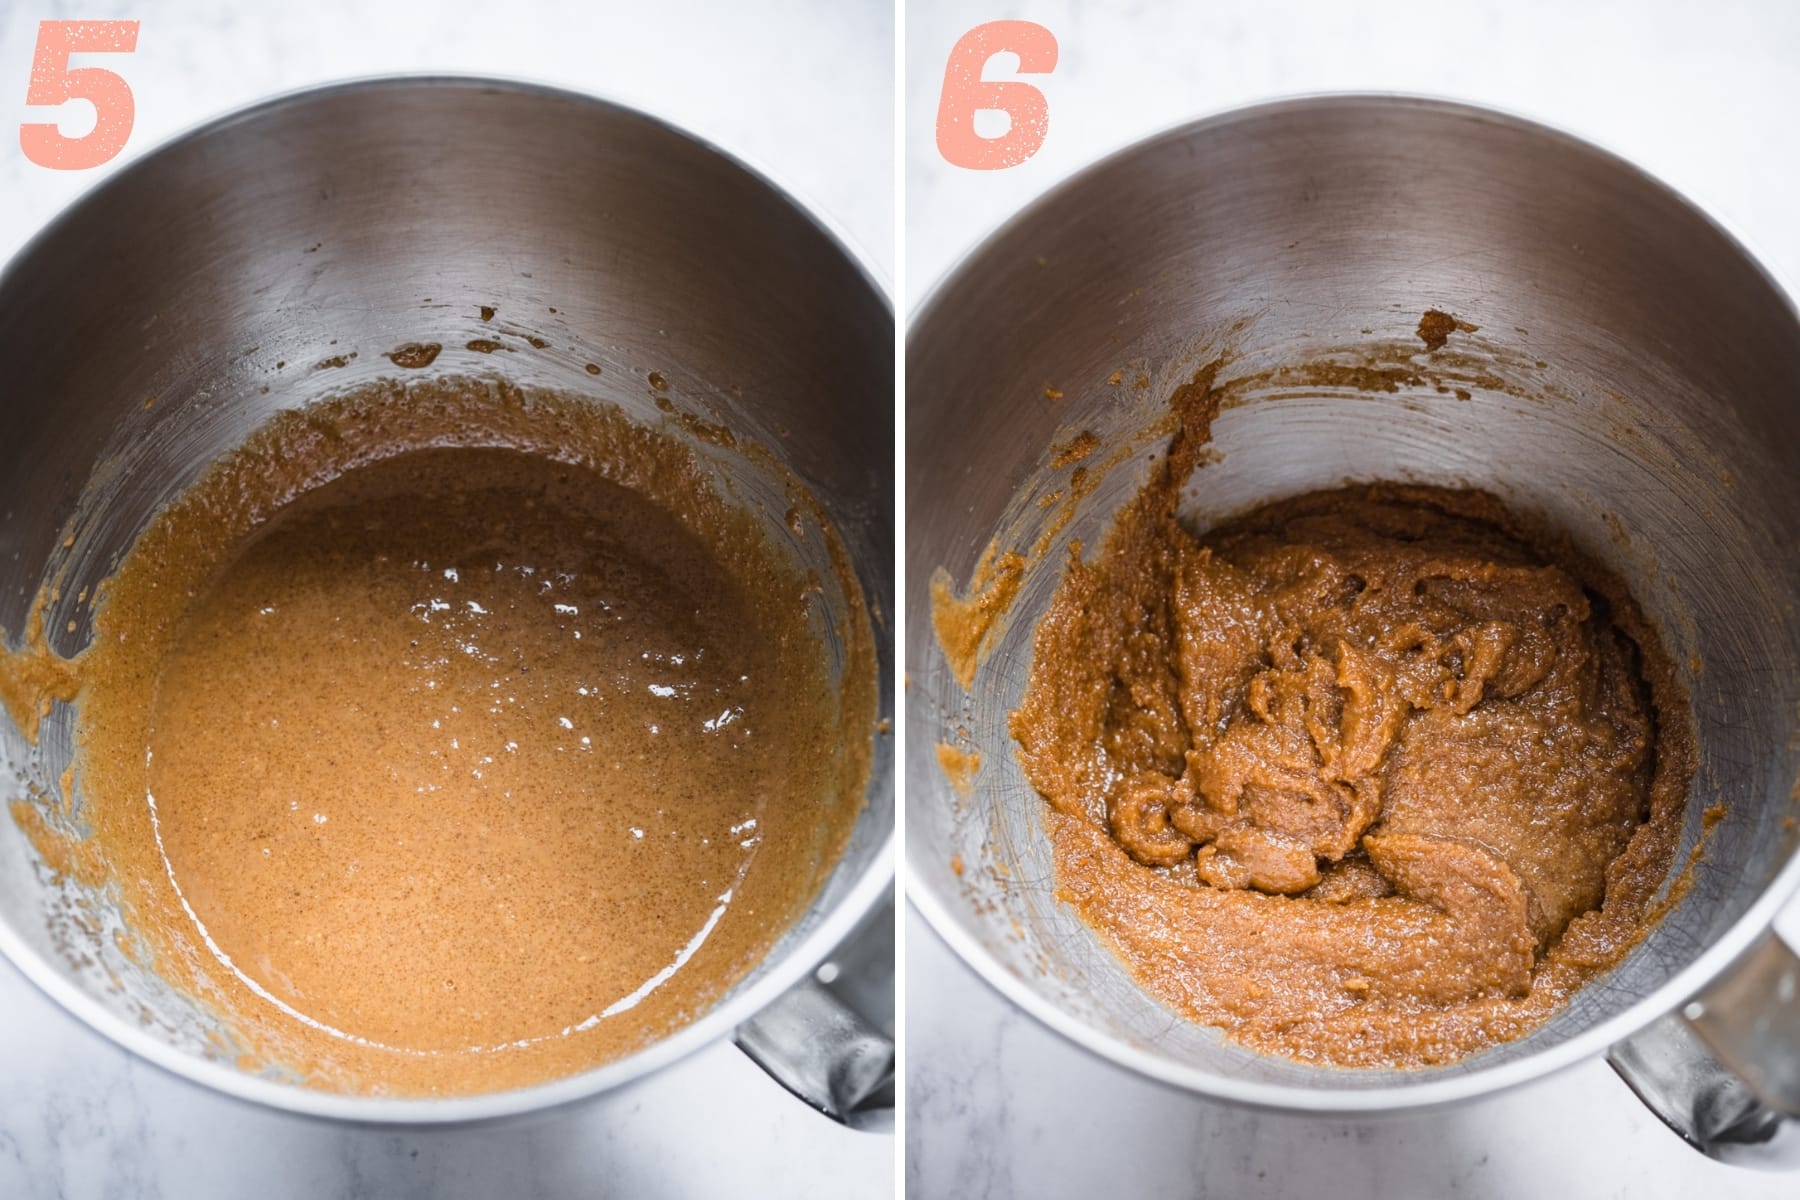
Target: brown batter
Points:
(451, 738)
(1369, 777)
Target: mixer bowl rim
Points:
(738, 1005)
(1435, 1086)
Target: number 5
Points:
(53, 81)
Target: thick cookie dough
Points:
(1368, 777)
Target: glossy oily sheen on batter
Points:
(1371, 777)
(450, 738)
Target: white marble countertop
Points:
(998, 1106)
(803, 89)
(1702, 95)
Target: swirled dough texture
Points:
(1368, 777)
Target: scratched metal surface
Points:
(241, 259)
(1659, 431)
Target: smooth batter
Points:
(1368, 777)
(452, 738)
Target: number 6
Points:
(965, 92)
(53, 81)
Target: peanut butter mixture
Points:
(451, 738)
(1370, 777)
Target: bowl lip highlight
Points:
(738, 1004)
(1468, 1080)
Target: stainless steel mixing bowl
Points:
(1635, 377)
(221, 273)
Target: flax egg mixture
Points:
(450, 738)
(1372, 777)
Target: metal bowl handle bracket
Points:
(823, 1051)
(1723, 1071)
(829, 1038)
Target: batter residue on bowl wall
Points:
(448, 738)
(1376, 777)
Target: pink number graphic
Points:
(53, 81)
(965, 93)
